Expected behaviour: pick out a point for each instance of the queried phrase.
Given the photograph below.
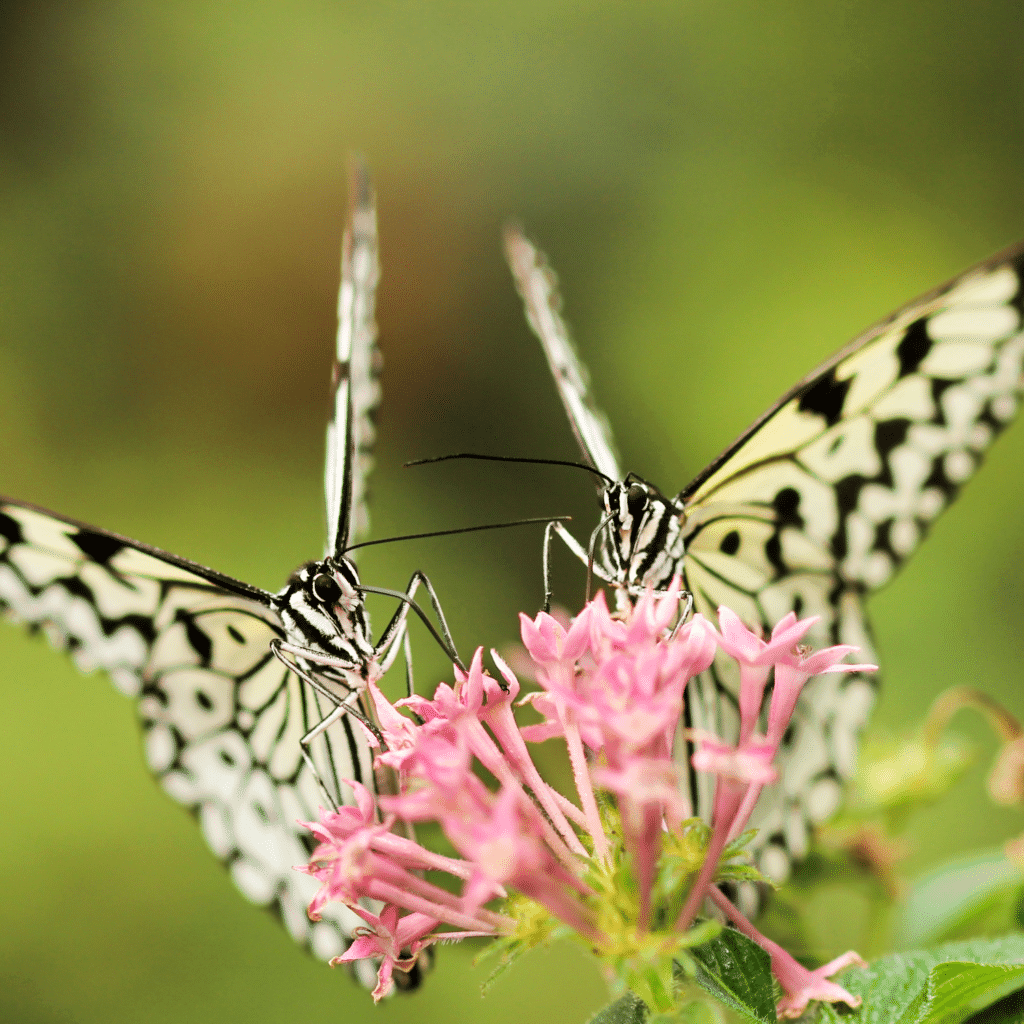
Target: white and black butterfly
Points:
(244, 695)
(814, 506)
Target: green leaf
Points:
(630, 1009)
(978, 893)
(737, 972)
(946, 985)
(1007, 1011)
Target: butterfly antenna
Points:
(400, 595)
(510, 458)
(464, 529)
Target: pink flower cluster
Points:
(611, 688)
(743, 771)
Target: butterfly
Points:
(246, 698)
(814, 506)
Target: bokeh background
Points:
(729, 191)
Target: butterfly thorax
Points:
(642, 544)
(323, 611)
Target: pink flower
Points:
(798, 984)
(802, 985)
(551, 728)
(792, 670)
(643, 781)
(740, 770)
(342, 823)
(443, 758)
(756, 657)
(637, 698)
(388, 937)
(342, 866)
(400, 733)
(699, 641)
(611, 685)
(749, 764)
(507, 846)
(647, 623)
(649, 802)
(652, 615)
(548, 642)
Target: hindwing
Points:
(221, 716)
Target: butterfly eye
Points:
(326, 589)
(636, 499)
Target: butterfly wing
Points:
(356, 373)
(538, 286)
(824, 497)
(221, 716)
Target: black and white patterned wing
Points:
(221, 716)
(826, 495)
(538, 286)
(356, 373)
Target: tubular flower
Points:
(386, 939)
(799, 985)
(623, 864)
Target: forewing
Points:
(221, 716)
(538, 287)
(864, 453)
(826, 495)
(356, 374)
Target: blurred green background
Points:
(729, 191)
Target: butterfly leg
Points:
(685, 614)
(410, 686)
(279, 648)
(389, 654)
(389, 659)
(576, 548)
(306, 742)
(394, 628)
(288, 654)
(545, 561)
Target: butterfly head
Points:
(333, 584)
(322, 607)
(626, 505)
(641, 524)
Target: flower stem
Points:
(388, 893)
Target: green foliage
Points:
(978, 895)
(1007, 1011)
(729, 968)
(735, 864)
(945, 985)
(737, 972)
(642, 961)
(940, 986)
(629, 1009)
(534, 927)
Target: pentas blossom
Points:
(397, 942)
(624, 864)
(799, 984)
